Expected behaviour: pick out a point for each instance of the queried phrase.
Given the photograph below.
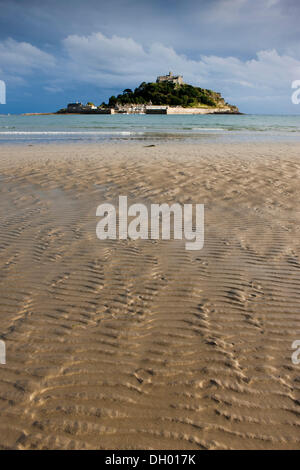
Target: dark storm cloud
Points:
(224, 27)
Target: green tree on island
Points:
(166, 94)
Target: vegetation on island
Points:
(166, 93)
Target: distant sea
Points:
(149, 128)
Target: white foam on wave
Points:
(64, 133)
(208, 129)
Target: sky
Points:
(53, 52)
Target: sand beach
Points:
(141, 344)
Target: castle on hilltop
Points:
(176, 79)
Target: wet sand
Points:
(123, 344)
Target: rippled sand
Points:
(142, 344)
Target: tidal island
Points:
(168, 95)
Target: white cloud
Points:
(116, 62)
(53, 89)
(21, 58)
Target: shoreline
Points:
(160, 141)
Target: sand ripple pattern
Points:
(142, 344)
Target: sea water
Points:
(149, 128)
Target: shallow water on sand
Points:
(101, 128)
